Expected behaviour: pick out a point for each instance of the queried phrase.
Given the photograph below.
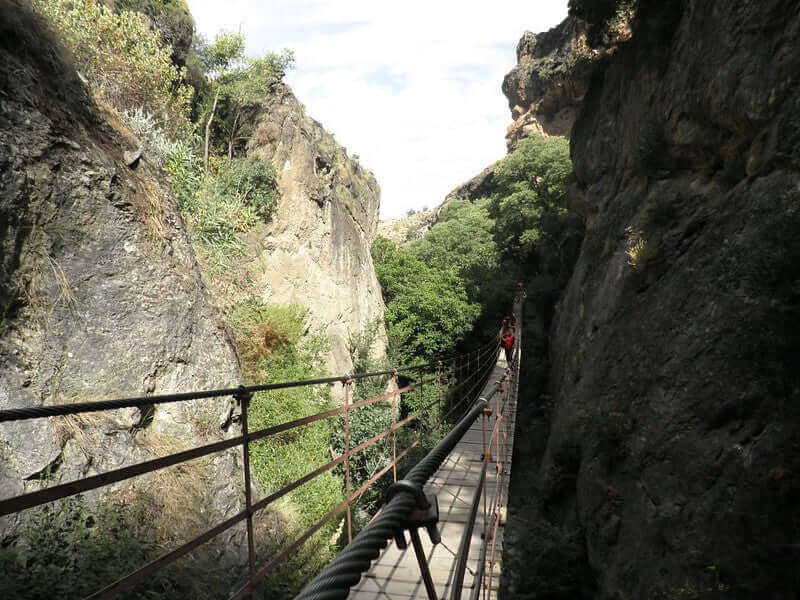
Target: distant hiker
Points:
(507, 342)
(506, 323)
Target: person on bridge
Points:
(508, 345)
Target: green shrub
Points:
(185, 171)
(124, 61)
(285, 354)
(222, 205)
(253, 182)
(172, 20)
(67, 550)
(157, 146)
(274, 346)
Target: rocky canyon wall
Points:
(100, 293)
(670, 467)
(315, 251)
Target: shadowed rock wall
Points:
(674, 442)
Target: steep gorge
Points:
(669, 451)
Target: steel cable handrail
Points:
(453, 366)
(243, 394)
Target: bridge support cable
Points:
(473, 474)
(35, 412)
(503, 429)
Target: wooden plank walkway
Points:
(395, 574)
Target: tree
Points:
(533, 225)
(428, 311)
(236, 81)
(462, 240)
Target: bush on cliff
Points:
(273, 348)
(124, 61)
(70, 550)
(220, 206)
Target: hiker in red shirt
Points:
(507, 342)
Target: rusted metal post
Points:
(486, 412)
(347, 385)
(423, 564)
(394, 422)
(243, 396)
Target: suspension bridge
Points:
(456, 495)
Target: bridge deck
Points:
(395, 574)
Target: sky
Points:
(412, 88)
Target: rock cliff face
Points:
(554, 70)
(547, 86)
(100, 294)
(670, 470)
(409, 228)
(316, 249)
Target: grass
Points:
(220, 206)
(639, 251)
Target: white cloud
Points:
(413, 88)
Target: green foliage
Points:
(220, 206)
(273, 348)
(366, 422)
(462, 241)
(275, 345)
(65, 550)
(253, 182)
(124, 60)
(171, 18)
(185, 171)
(156, 144)
(533, 225)
(428, 311)
(236, 84)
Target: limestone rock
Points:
(315, 250)
(409, 228)
(554, 69)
